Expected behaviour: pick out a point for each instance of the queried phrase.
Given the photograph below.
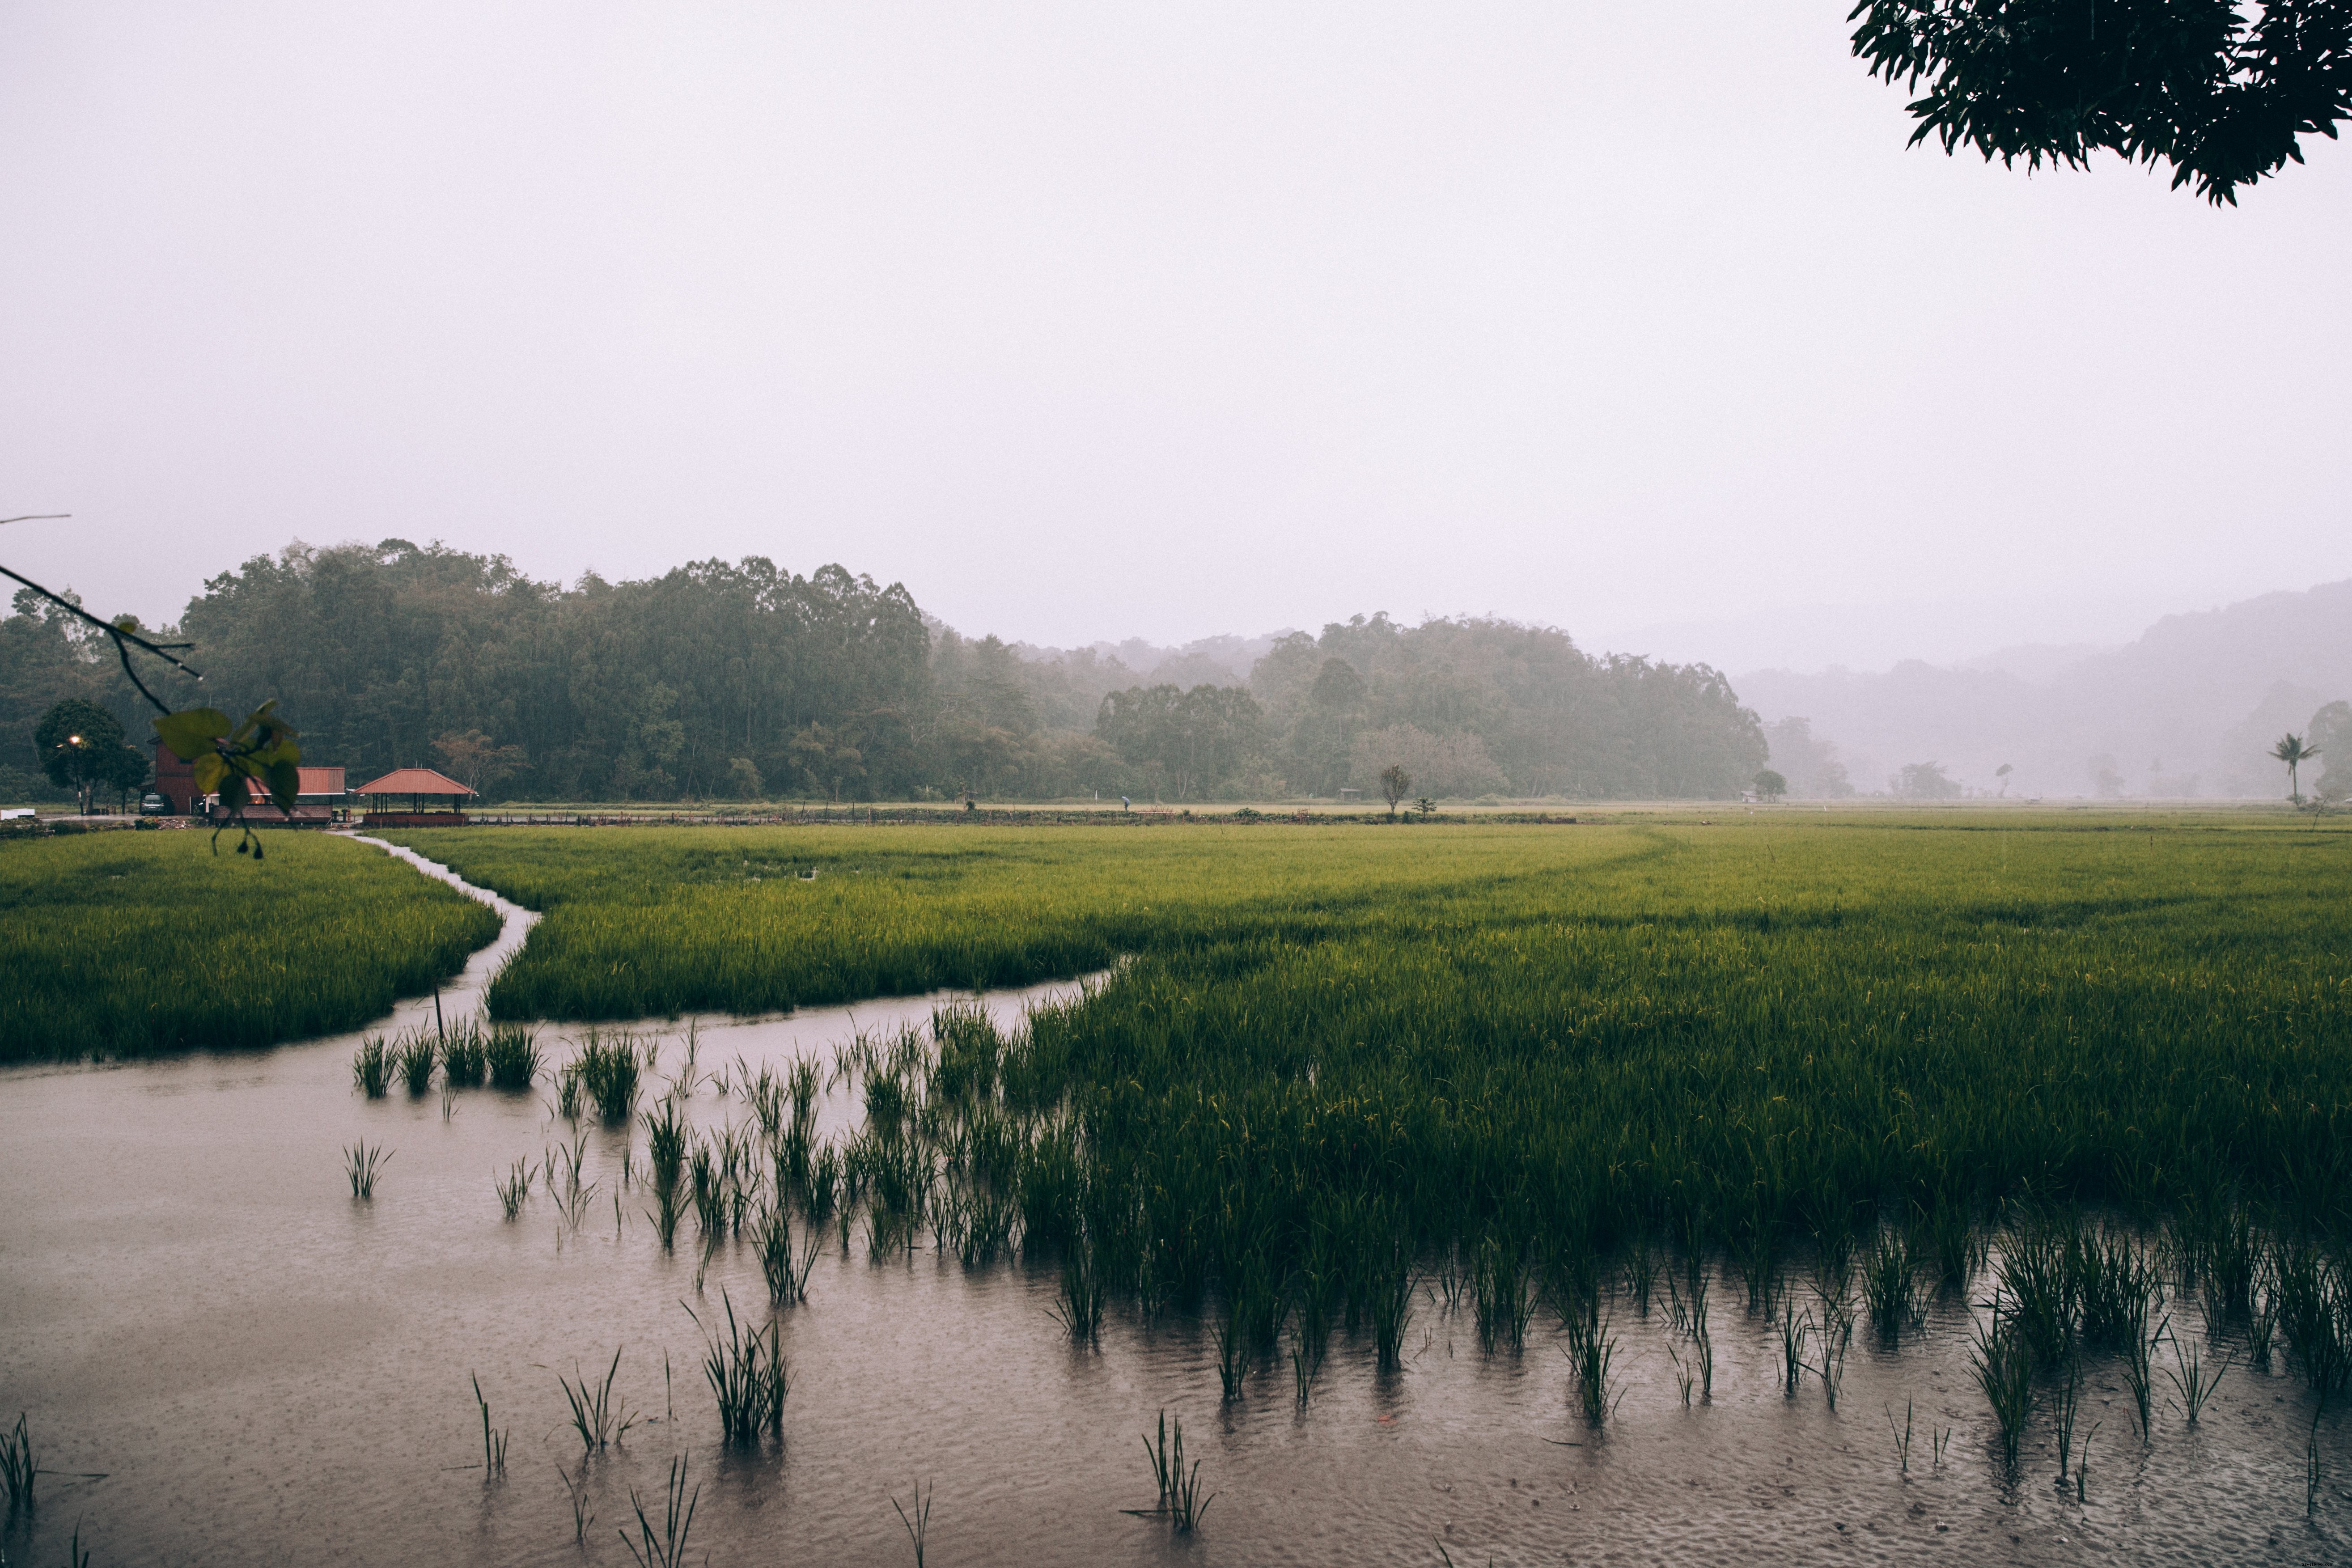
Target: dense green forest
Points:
(744, 680)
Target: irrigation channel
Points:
(267, 1369)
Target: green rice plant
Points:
(609, 1071)
(1957, 1246)
(1890, 1274)
(918, 1522)
(2114, 1283)
(597, 1417)
(1592, 1350)
(2040, 1276)
(1180, 1499)
(2313, 1301)
(371, 1067)
(567, 1091)
(1902, 1435)
(1836, 1338)
(416, 1052)
(494, 1443)
(2063, 1410)
(787, 1277)
(118, 945)
(1796, 1329)
(1233, 1356)
(747, 1377)
(667, 1548)
(575, 1491)
(2193, 1379)
(465, 1055)
(19, 1467)
(1501, 1296)
(361, 1162)
(2139, 1376)
(514, 1187)
(1389, 1286)
(2002, 1364)
(1079, 1308)
(511, 1052)
(2311, 1472)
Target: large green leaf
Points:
(191, 734)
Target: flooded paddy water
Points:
(264, 1368)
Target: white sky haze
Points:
(1098, 321)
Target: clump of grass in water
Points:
(596, 1416)
(371, 1067)
(361, 1162)
(787, 1277)
(609, 1071)
(2002, 1364)
(1890, 1275)
(667, 1549)
(494, 1443)
(2139, 1376)
(918, 1522)
(465, 1057)
(1080, 1308)
(18, 1464)
(747, 1377)
(1592, 1349)
(511, 1054)
(514, 1188)
(415, 1052)
(2193, 1379)
(1501, 1298)
(1181, 1501)
(1233, 1356)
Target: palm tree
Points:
(2294, 753)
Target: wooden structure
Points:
(419, 784)
(316, 798)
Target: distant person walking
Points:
(1124, 805)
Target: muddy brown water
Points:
(266, 1369)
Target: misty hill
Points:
(2191, 707)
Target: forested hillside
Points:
(746, 681)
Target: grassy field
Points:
(119, 944)
(1337, 1050)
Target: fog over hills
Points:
(2190, 708)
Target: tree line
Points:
(745, 681)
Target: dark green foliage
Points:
(511, 1052)
(20, 1466)
(81, 748)
(371, 1067)
(465, 1055)
(416, 1052)
(2219, 90)
(120, 945)
(608, 1070)
(748, 1378)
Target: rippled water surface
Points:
(268, 1371)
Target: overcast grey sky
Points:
(1094, 321)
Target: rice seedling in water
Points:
(371, 1067)
(1392, 1310)
(1902, 1434)
(567, 1093)
(1592, 1349)
(747, 1377)
(1180, 1487)
(2003, 1366)
(512, 1055)
(917, 1523)
(596, 1416)
(1939, 1440)
(1836, 1337)
(2311, 1477)
(2313, 1301)
(514, 1188)
(465, 1055)
(2063, 1410)
(2139, 1376)
(1795, 1330)
(575, 1491)
(609, 1071)
(416, 1052)
(1080, 1308)
(1500, 1296)
(2193, 1379)
(1889, 1277)
(361, 1161)
(667, 1548)
(18, 1464)
(1233, 1357)
(494, 1443)
(787, 1277)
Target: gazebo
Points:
(419, 784)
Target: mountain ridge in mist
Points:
(2188, 708)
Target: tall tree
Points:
(2292, 751)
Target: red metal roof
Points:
(413, 781)
(321, 781)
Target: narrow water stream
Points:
(268, 1371)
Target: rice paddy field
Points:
(1965, 1187)
(120, 944)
